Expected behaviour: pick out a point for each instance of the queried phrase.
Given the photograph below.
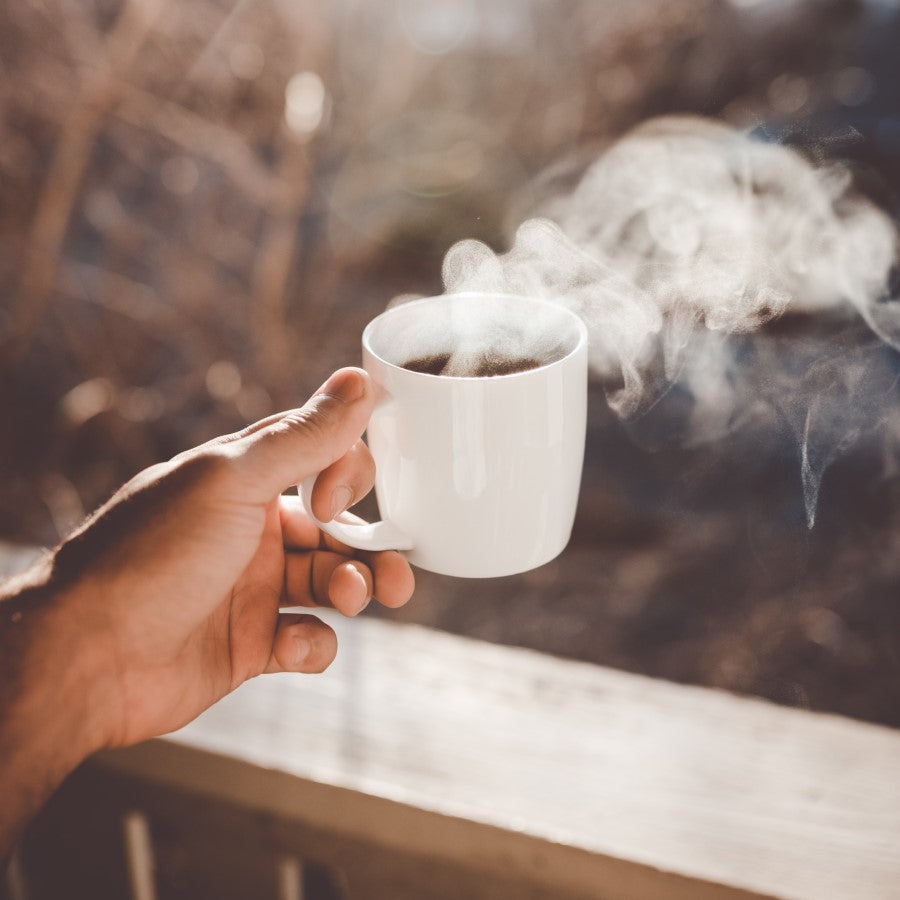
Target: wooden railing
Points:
(423, 765)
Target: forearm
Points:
(46, 694)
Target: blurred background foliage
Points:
(202, 203)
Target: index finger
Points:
(304, 441)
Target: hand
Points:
(168, 597)
(182, 574)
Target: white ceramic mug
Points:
(475, 476)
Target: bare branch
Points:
(97, 95)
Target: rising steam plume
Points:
(680, 247)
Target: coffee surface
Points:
(484, 366)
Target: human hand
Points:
(168, 597)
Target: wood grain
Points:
(595, 782)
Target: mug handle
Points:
(372, 536)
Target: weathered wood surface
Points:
(580, 779)
(422, 764)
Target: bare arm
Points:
(49, 700)
(168, 597)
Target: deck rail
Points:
(423, 765)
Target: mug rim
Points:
(580, 327)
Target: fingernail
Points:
(364, 593)
(347, 385)
(302, 650)
(341, 497)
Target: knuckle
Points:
(210, 466)
(312, 421)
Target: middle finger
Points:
(325, 578)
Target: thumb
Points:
(307, 440)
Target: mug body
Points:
(482, 473)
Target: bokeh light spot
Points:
(253, 402)
(853, 86)
(86, 400)
(788, 93)
(142, 404)
(304, 103)
(223, 380)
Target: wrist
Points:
(48, 700)
(53, 691)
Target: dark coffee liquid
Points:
(485, 366)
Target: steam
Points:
(469, 336)
(679, 244)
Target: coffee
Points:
(484, 365)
